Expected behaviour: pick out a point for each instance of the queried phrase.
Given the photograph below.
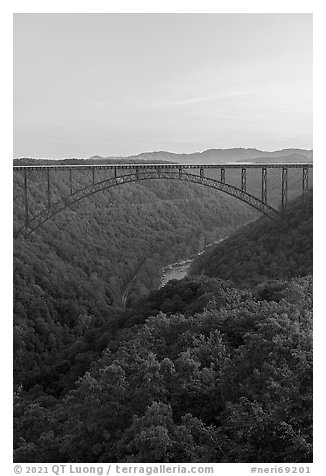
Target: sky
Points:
(122, 84)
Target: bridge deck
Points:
(238, 165)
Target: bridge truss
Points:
(128, 173)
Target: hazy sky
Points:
(120, 84)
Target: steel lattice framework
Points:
(160, 171)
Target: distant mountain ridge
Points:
(216, 156)
(209, 157)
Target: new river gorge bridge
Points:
(212, 176)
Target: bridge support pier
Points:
(70, 181)
(264, 185)
(243, 179)
(284, 189)
(49, 189)
(223, 175)
(26, 198)
(305, 182)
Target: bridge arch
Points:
(140, 175)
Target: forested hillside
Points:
(263, 250)
(228, 384)
(201, 370)
(71, 273)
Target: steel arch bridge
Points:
(129, 173)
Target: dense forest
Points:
(264, 251)
(72, 273)
(214, 368)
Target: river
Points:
(179, 270)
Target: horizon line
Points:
(162, 151)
